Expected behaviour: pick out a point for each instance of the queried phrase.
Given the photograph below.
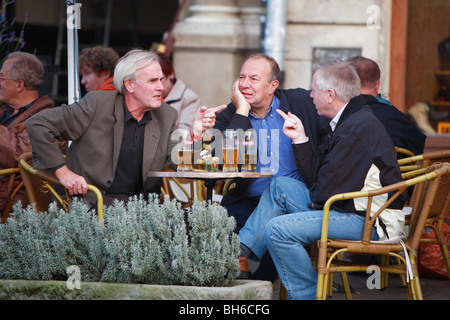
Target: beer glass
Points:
(230, 151)
(185, 150)
(250, 151)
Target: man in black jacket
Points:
(258, 82)
(403, 133)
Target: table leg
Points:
(209, 184)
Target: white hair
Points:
(127, 65)
(340, 76)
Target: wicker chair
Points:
(176, 189)
(12, 172)
(404, 152)
(40, 187)
(418, 165)
(426, 190)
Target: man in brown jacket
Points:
(21, 75)
(117, 136)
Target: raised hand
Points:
(238, 99)
(205, 118)
(293, 127)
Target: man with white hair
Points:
(118, 136)
(357, 154)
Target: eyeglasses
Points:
(4, 78)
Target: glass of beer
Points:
(230, 151)
(250, 151)
(185, 150)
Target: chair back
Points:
(12, 172)
(42, 187)
(37, 189)
(183, 190)
(430, 199)
(441, 208)
(403, 152)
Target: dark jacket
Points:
(297, 101)
(348, 155)
(403, 133)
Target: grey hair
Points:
(340, 76)
(28, 68)
(127, 65)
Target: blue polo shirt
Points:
(275, 153)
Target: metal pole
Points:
(274, 40)
(73, 76)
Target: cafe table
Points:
(210, 178)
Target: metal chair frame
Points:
(426, 186)
(44, 188)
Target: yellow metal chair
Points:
(426, 190)
(176, 189)
(12, 172)
(40, 187)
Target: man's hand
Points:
(205, 118)
(238, 99)
(74, 183)
(293, 127)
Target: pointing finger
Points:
(282, 114)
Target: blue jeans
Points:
(283, 224)
(241, 210)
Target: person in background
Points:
(21, 76)
(177, 95)
(97, 68)
(402, 131)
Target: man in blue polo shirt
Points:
(258, 82)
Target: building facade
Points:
(216, 36)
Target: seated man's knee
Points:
(273, 231)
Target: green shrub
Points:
(140, 242)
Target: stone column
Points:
(211, 45)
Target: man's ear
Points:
(273, 86)
(129, 85)
(377, 86)
(20, 85)
(331, 95)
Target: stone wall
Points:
(217, 36)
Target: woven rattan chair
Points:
(12, 172)
(419, 164)
(404, 152)
(41, 191)
(426, 188)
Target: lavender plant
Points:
(140, 242)
(10, 41)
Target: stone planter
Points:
(58, 290)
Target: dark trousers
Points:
(241, 210)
